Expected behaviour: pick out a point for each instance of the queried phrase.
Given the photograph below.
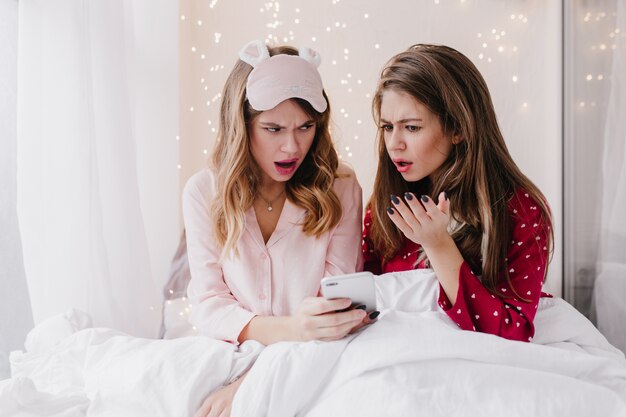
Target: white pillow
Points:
(176, 319)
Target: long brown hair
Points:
(479, 174)
(238, 176)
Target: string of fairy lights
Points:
(212, 35)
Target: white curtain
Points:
(610, 286)
(97, 157)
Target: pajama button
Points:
(262, 297)
(263, 256)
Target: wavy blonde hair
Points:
(479, 175)
(238, 176)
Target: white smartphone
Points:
(358, 287)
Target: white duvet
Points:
(413, 362)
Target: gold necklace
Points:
(270, 202)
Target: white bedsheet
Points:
(104, 373)
(413, 361)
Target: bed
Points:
(413, 361)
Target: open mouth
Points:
(402, 165)
(286, 164)
(286, 167)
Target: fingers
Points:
(337, 332)
(427, 207)
(334, 326)
(411, 211)
(419, 206)
(417, 211)
(402, 217)
(314, 306)
(321, 319)
(219, 402)
(225, 412)
(444, 203)
(204, 410)
(339, 320)
(369, 319)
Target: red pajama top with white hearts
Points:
(476, 309)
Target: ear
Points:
(254, 53)
(457, 138)
(310, 55)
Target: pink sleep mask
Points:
(281, 77)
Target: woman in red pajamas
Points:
(448, 195)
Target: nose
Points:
(290, 144)
(395, 140)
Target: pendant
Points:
(269, 208)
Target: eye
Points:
(387, 127)
(273, 129)
(306, 127)
(412, 128)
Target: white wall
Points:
(15, 316)
(516, 45)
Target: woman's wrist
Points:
(443, 244)
(291, 330)
(270, 329)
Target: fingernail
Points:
(374, 314)
(394, 199)
(408, 196)
(390, 210)
(424, 198)
(445, 195)
(361, 307)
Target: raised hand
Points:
(421, 220)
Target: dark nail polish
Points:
(390, 210)
(394, 199)
(445, 195)
(361, 307)
(408, 196)
(424, 198)
(374, 314)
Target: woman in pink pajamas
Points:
(274, 213)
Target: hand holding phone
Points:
(358, 287)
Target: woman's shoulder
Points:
(345, 174)
(345, 179)
(523, 205)
(200, 184)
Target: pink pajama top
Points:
(476, 309)
(266, 279)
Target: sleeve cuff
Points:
(444, 301)
(226, 326)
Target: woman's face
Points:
(280, 139)
(413, 135)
